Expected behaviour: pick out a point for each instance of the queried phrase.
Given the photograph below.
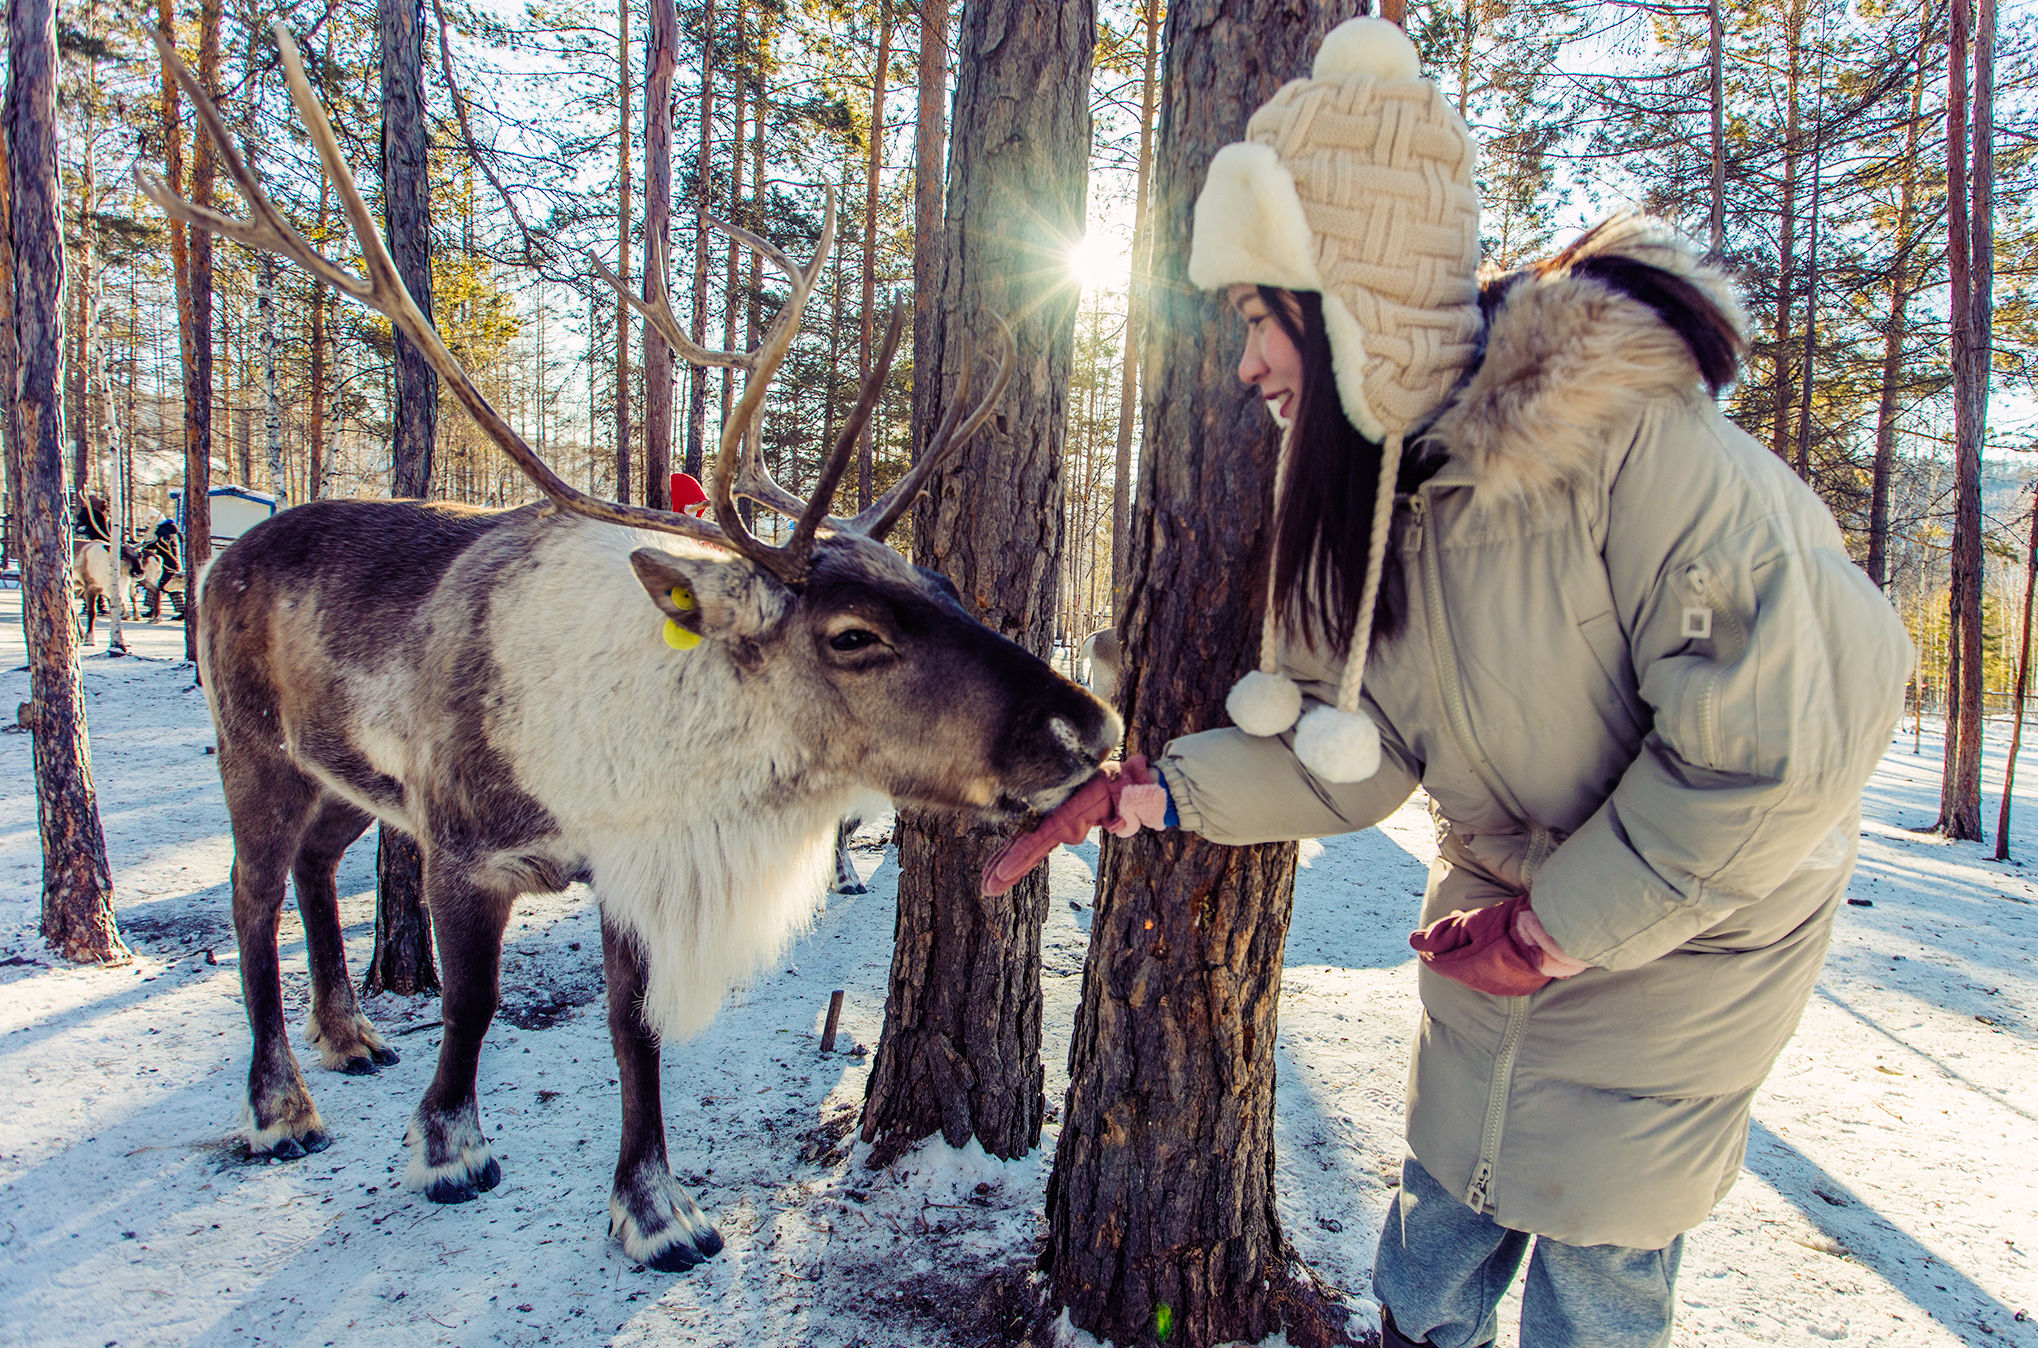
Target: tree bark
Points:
(271, 398)
(1893, 333)
(1960, 792)
(1811, 289)
(1162, 1223)
(621, 411)
(402, 961)
(2018, 694)
(1135, 299)
(77, 896)
(10, 362)
(697, 382)
(874, 161)
(930, 151)
(1716, 221)
(961, 1048)
(661, 59)
(1786, 246)
(198, 352)
(315, 468)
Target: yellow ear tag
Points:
(676, 636)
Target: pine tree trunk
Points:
(315, 469)
(1786, 246)
(621, 411)
(961, 1048)
(198, 351)
(1960, 792)
(697, 382)
(402, 961)
(10, 360)
(1162, 1222)
(1715, 60)
(661, 59)
(2018, 693)
(874, 160)
(930, 142)
(272, 399)
(1893, 334)
(77, 897)
(1135, 302)
(1811, 293)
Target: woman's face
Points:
(1270, 362)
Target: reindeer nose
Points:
(1097, 744)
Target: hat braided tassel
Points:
(1341, 743)
(1266, 701)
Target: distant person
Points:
(1521, 560)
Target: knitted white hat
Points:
(1357, 184)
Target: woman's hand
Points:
(1502, 950)
(1121, 799)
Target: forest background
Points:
(1831, 214)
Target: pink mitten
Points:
(1142, 800)
(1097, 803)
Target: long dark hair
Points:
(1327, 496)
(1332, 468)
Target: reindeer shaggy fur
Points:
(498, 685)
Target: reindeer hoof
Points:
(674, 1259)
(349, 1044)
(853, 889)
(369, 1062)
(449, 1156)
(293, 1148)
(466, 1188)
(658, 1224)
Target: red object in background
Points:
(687, 494)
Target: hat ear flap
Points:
(1249, 224)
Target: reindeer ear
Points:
(724, 598)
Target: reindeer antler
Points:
(739, 469)
(748, 476)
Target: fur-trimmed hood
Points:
(1577, 346)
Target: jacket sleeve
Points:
(1774, 669)
(1236, 788)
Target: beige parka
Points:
(1640, 680)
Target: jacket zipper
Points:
(1478, 1194)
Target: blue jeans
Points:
(1442, 1269)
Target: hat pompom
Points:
(1367, 46)
(1338, 746)
(1264, 704)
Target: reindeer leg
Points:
(656, 1220)
(449, 1155)
(346, 1040)
(846, 880)
(268, 803)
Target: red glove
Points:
(1095, 804)
(1495, 950)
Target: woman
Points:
(1620, 646)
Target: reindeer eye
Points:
(854, 639)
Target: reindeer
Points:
(668, 708)
(1105, 661)
(92, 577)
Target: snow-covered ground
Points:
(1889, 1195)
